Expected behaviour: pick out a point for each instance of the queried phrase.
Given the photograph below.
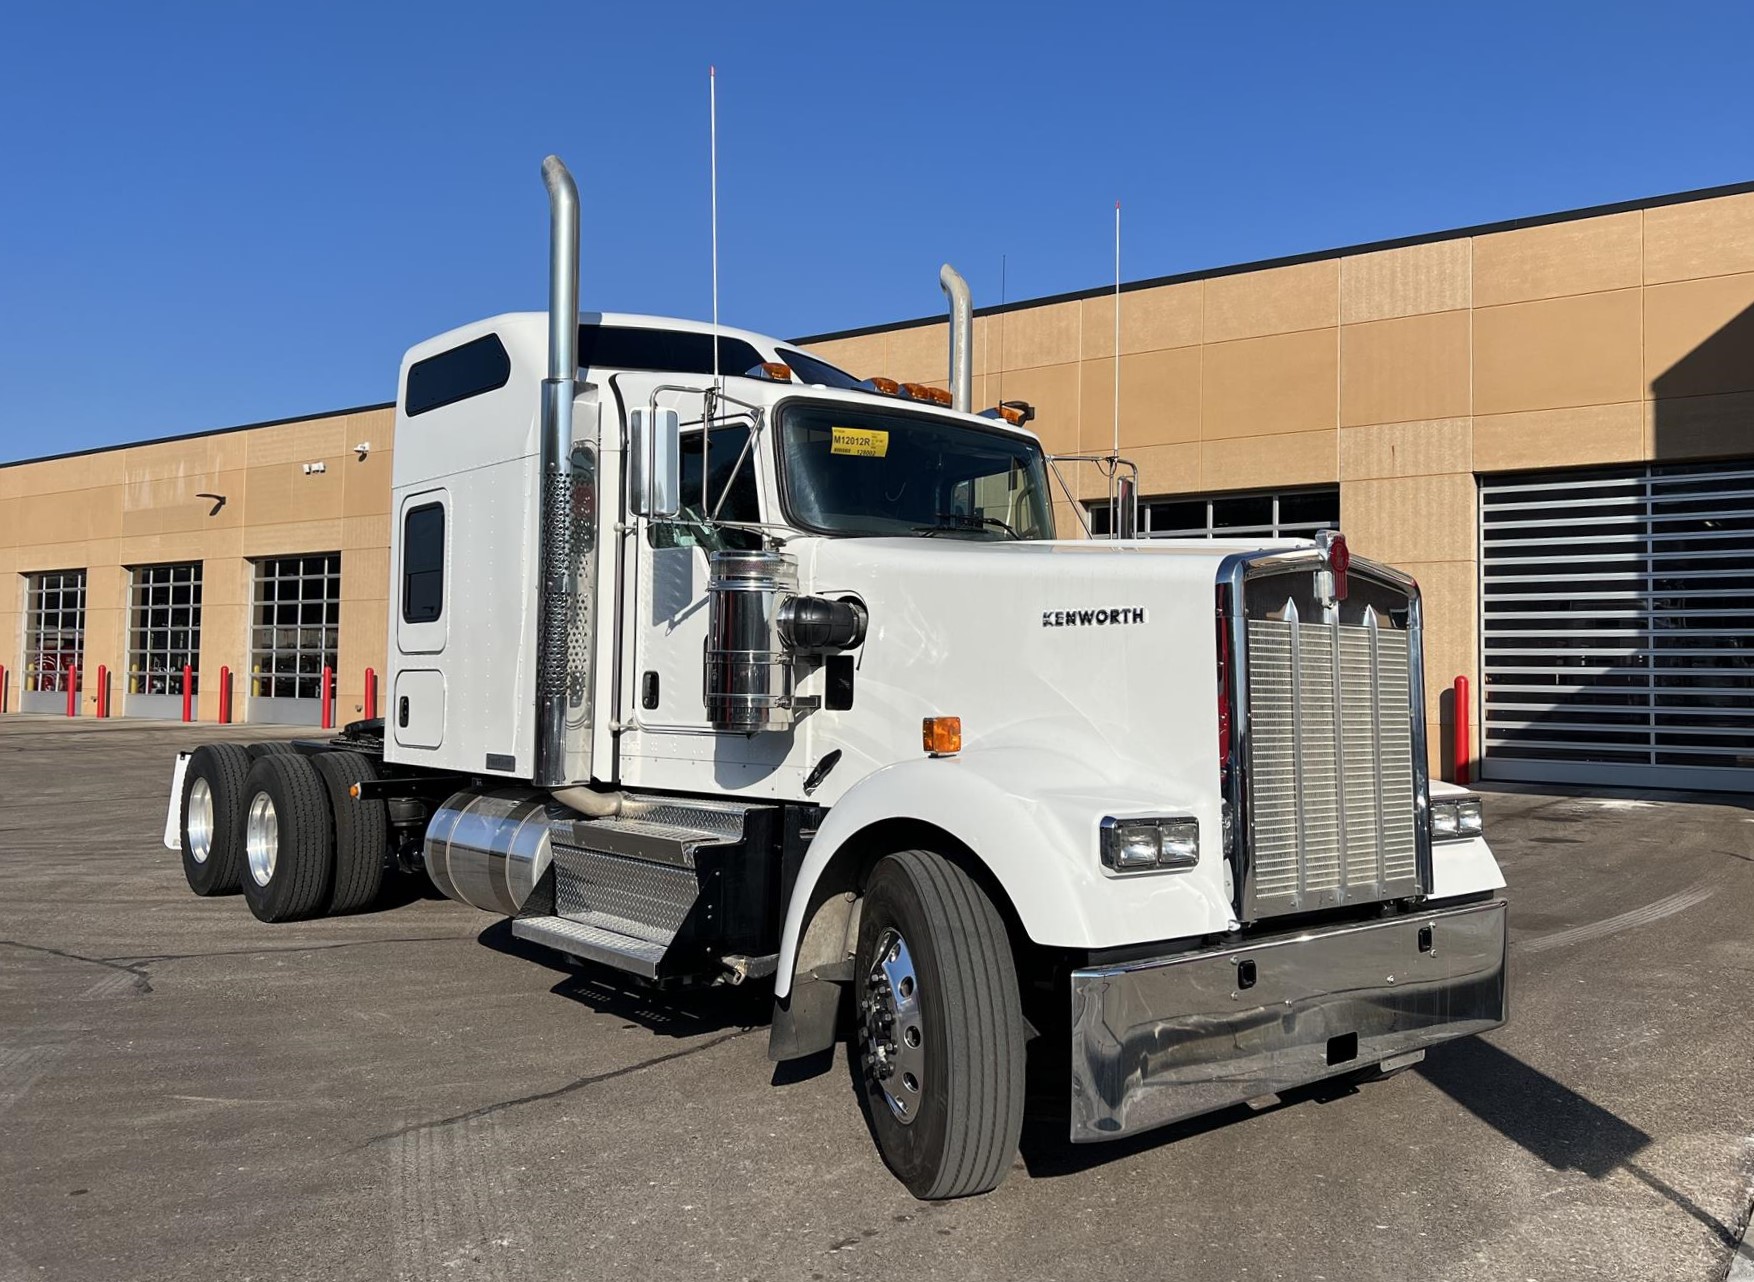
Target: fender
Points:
(1031, 815)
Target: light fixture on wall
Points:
(362, 449)
(318, 466)
(218, 502)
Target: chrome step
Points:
(592, 942)
(658, 829)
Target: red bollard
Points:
(371, 694)
(1461, 737)
(328, 697)
(103, 691)
(72, 689)
(2, 687)
(225, 696)
(188, 693)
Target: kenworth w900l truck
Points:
(717, 665)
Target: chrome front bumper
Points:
(1158, 1040)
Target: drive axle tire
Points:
(212, 817)
(940, 1033)
(362, 830)
(289, 841)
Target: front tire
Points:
(289, 842)
(940, 1034)
(213, 817)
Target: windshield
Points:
(850, 470)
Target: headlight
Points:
(1456, 819)
(1136, 845)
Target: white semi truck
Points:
(714, 664)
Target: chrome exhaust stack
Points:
(961, 338)
(555, 554)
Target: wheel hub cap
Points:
(262, 838)
(200, 821)
(891, 1029)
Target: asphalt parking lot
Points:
(408, 1093)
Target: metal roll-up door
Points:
(1617, 626)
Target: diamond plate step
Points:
(582, 939)
(658, 829)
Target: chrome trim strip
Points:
(1159, 1040)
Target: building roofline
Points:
(193, 436)
(1315, 256)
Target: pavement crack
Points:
(577, 1084)
(142, 979)
(152, 958)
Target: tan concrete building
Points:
(1550, 423)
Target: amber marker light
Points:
(920, 392)
(888, 386)
(941, 736)
(776, 371)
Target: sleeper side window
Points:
(423, 563)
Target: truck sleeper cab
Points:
(717, 665)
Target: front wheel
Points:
(940, 1033)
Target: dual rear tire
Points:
(285, 828)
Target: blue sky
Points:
(212, 215)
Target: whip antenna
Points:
(712, 81)
(1117, 450)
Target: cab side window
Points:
(690, 528)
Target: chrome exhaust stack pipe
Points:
(961, 338)
(555, 559)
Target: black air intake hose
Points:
(817, 623)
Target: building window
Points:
(423, 563)
(164, 634)
(54, 630)
(1268, 514)
(296, 620)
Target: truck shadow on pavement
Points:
(683, 1013)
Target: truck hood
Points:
(1098, 656)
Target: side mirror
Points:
(654, 439)
(1126, 508)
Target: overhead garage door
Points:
(1617, 628)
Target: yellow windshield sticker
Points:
(861, 442)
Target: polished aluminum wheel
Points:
(200, 821)
(892, 1028)
(262, 838)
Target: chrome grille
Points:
(1330, 765)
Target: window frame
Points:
(438, 569)
(144, 582)
(69, 594)
(265, 676)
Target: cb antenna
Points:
(712, 81)
(1117, 449)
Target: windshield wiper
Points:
(956, 521)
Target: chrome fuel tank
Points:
(489, 849)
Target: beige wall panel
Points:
(1585, 256)
(1699, 336)
(862, 356)
(1700, 427)
(1414, 367)
(377, 427)
(1699, 238)
(365, 574)
(294, 538)
(297, 443)
(1151, 319)
(56, 476)
(62, 517)
(1260, 462)
(9, 531)
(1559, 438)
(921, 352)
(365, 532)
(1428, 448)
(1167, 469)
(1583, 350)
(1410, 518)
(1276, 301)
(1406, 282)
(283, 492)
(1160, 398)
(158, 504)
(365, 483)
(225, 582)
(159, 549)
(1053, 390)
(1268, 386)
(1037, 336)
